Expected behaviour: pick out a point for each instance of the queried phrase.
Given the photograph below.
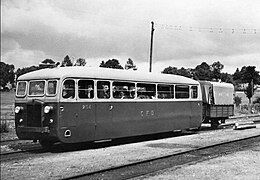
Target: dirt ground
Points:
(57, 165)
(239, 165)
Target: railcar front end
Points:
(36, 111)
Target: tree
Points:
(182, 72)
(80, 62)
(47, 63)
(25, 70)
(237, 76)
(237, 100)
(216, 70)
(170, 70)
(130, 64)
(237, 79)
(66, 62)
(202, 72)
(225, 77)
(251, 77)
(7, 74)
(114, 63)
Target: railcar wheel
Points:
(46, 145)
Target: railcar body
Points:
(79, 104)
(218, 103)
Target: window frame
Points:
(191, 92)
(75, 86)
(177, 93)
(127, 93)
(93, 89)
(172, 94)
(25, 91)
(47, 87)
(150, 96)
(40, 95)
(97, 89)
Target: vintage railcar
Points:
(80, 104)
(218, 103)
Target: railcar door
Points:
(196, 108)
(77, 122)
(104, 109)
(68, 111)
(86, 121)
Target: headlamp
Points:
(47, 109)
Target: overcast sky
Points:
(98, 30)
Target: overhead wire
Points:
(207, 29)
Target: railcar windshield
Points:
(21, 88)
(36, 88)
(52, 87)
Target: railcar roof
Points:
(105, 73)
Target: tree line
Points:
(9, 75)
(246, 76)
(245, 79)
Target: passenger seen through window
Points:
(52, 85)
(123, 90)
(86, 89)
(68, 90)
(103, 88)
(21, 88)
(146, 91)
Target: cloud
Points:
(98, 30)
(23, 58)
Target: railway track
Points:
(137, 169)
(21, 154)
(31, 148)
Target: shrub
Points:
(237, 100)
(4, 127)
(257, 100)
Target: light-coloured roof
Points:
(222, 85)
(105, 73)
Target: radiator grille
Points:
(34, 115)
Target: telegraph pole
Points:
(151, 47)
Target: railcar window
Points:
(145, 91)
(86, 89)
(123, 90)
(52, 87)
(68, 89)
(36, 88)
(103, 89)
(194, 92)
(165, 91)
(181, 91)
(21, 88)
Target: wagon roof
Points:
(222, 85)
(218, 84)
(105, 73)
